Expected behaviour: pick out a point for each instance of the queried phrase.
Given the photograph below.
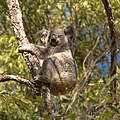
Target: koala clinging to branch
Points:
(59, 69)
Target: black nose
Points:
(53, 40)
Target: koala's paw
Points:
(22, 48)
(26, 48)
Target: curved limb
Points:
(5, 78)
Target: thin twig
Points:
(90, 53)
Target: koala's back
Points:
(59, 70)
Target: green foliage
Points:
(11, 61)
(94, 102)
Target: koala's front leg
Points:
(39, 51)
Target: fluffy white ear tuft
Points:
(42, 36)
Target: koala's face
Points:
(57, 38)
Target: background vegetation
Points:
(94, 101)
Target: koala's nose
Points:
(53, 40)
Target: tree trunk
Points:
(31, 60)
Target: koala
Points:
(58, 70)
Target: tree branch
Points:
(17, 24)
(16, 19)
(90, 53)
(17, 79)
(110, 17)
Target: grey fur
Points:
(58, 69)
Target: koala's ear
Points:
(42, 36)
(69, 31)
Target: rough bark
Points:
(17, 79)
(31, 60)
(110, 17)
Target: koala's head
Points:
(57, 37)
